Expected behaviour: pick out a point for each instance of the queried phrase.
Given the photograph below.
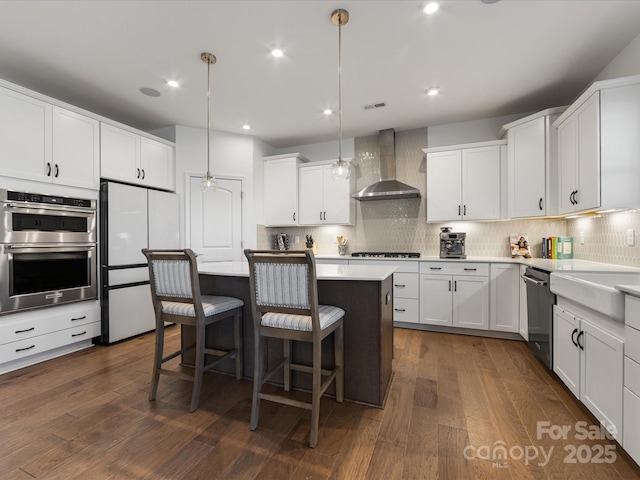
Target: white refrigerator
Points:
(131, 218)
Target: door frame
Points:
(187, 204)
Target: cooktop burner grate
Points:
(386, 254)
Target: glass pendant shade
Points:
(208, 182)
(341, 170)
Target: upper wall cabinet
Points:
(46, 143)
(599, 148)
(281, 189)
(464, 182)
(322, 200)
(532, 164)
(131, 158)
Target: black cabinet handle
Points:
(79, 334)
(458, 210)
(26, 330)
(401, 310)
(578, 340)
(320, 215)
(449, 285)
(79, 318)
(464, 210)
(57, 171)
(294, 216)
(138, 172)
(26, 348)
(470, 269)
(455, 285)
(48, 169)
(400, 286)
(540, 204)
(325, 215)
(573, 334)
(435, 268)
(143, 175)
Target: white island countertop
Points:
(323, 272)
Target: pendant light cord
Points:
(340, 90)
(208, 118)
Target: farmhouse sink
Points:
(595, 290)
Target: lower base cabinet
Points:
(589, 360)
(505, 297)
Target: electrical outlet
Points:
(631, 237)
(581, 238)
(296, 239)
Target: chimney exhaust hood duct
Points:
(388, 187)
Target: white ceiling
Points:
(510, 57)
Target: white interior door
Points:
(215, 220)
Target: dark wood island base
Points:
(368, 334)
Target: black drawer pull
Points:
(79, 334)
(400, 286)
(470, 269)
(435, 268)
(26, 330)
(79, 318)
(26, 348)
(399, 309)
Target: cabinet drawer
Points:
(632, 311)
(405, 285)
(632, 343)
(632, 375)
(455, 268)
(42, 343)
(34, 323)
(406, 310)
(631, 420)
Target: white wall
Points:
(316, 152)
(472, 131)
(626, 63)
(231, 155)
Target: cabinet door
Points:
(435, 299)
(588, 120)
(566, 355)
(631, 418)
(119, 154)
(527, 169)
(567, 159)
(505, 297)
(25, 137)
(311, 204)
(76, 149)
(281, 192)
(130, 312)
(156, 164)
(471, 302)
(338, 204)
(444, 186)
(481, 183)
(601, 376)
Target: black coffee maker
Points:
(452, 243)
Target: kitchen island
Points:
(364, 292)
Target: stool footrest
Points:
(285, 400)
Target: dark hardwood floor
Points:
(454, 401)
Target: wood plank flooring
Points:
(454, 402)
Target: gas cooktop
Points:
(386, 254)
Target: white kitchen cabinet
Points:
(76, 150)
(579, 158)
(25, 136)
(505, 297)
(33, 336)
(465, 182)
(631, 393)
(524, 315)
(322, 200)
(131, 158)
(532, 164)
(589, 360)
(455, 294)
(281, 189)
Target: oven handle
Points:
(537, 283)
(58, 247)
(62, 208)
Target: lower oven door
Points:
(40, 275)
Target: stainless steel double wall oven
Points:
(47, 250)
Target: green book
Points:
(565, 248)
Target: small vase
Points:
(342, 249)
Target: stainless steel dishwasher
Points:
(540, 303)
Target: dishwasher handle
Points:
(537, 283)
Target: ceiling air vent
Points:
(372, 106)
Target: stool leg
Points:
(315, 393)
(258, 374)
(237, 327)
(287, 365)
(157, 360)
(199, 366)
(338, 346)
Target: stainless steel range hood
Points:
(388, 187)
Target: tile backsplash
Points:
(399, 225)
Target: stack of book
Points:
(557, 248)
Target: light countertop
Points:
(630, 289)
(323, 272)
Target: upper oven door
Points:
(29, 223)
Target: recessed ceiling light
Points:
(173, 83)
(327, 111)
(431, 7)
(432, 91)
(276, 52)
(246, 126)
(151, 92)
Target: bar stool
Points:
(284, 301)
(175, 291)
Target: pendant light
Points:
(208, 183)
(341, 169)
